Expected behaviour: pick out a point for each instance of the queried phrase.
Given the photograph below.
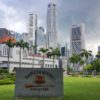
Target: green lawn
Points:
(74, 89)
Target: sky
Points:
(14, 16)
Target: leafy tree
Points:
(85, 54)
(43, 50)
(75, 59)
(10, 45)
(98, 55)
(96, 65)
(81, 62)
(22, 45)
(88, 67)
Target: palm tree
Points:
(95, 63)
(22, 45)
(82, 63)
(10, 45)
(33, 47)
(55, 52)
(49, 54)
(43, 50)
(85, 54)
(75, 59)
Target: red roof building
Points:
(7, 38)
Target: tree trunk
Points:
(83, 69)
(8, 57)
(33, 61)
(43, 60)
(33, 58)
(53, 61)
(86, 72)
(20, 58)
(77, 66)
(74, 68)
(94, 72)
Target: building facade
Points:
(26, 57)
(32, 27)
(51, 25)
(25, 37)
(4, 32)
(26, 61)
(98, 48)
(16, 35)
(77, 38)
(41, 38)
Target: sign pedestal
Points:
(39, 82)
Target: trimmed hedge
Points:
(4, 71)
(6, 81)
(6, 77)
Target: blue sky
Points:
(14, 14)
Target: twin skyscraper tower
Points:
(51, 27)
(50, 38)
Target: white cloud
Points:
(6, 9)
(92, 46)
(12, 19)
(18, 27)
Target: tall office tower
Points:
(51, 25)
(32, 27)
(77, 39)
(64, 51)
(41, 38)
(25, 37)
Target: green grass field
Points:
(75, 88)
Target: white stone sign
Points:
(39, 82)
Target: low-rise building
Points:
(26, 58)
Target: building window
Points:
(31, 20)
(5, 51)
(24, 53)
(48, 65)
(17, 52)
(0, 53)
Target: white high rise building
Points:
(32, 27)
(51, 25)
(77, 39)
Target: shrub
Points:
(6, 81)
(11, 76)
(5, 75)
(3, 71)
(88, 67)
(81, 72)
